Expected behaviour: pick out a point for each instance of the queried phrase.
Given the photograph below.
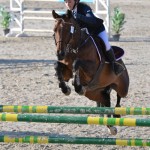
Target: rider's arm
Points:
(89, 18)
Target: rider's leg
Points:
(117, 68)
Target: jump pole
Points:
(75, 140)
(75, 120)
(76, 110)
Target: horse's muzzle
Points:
(60, 55)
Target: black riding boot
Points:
(116, 67)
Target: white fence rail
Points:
(21, 14)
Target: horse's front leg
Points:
(76, 82)
(59, 69)
(88, 68)
(77, 85)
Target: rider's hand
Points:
(74, 14)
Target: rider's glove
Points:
(74, 14)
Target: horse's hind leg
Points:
(105, 98)
(105, 95)
(118, 101)
(100, 105)
(59, 68)
(118, 105)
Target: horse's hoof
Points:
(116, 116)
(67, 91)
(80, 90)
(112, 130)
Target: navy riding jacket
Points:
(87, 19)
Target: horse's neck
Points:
(88, 52)
(93, 46)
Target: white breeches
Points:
(104, 37)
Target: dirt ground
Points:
(27, 78)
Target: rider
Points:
(86, 19)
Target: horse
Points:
(82, 57)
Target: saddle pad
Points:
(119, 52)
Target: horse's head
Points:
(65, 33)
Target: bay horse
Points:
(82, 57)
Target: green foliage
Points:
(5, 18)
(118, 20)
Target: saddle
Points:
(119, 52)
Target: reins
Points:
(80, 43)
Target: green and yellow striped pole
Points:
(75, 140)
(75, 119)
(76, 110)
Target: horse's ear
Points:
(55, 15)
(69, 13)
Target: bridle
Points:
(61, 40)
(69, 48)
